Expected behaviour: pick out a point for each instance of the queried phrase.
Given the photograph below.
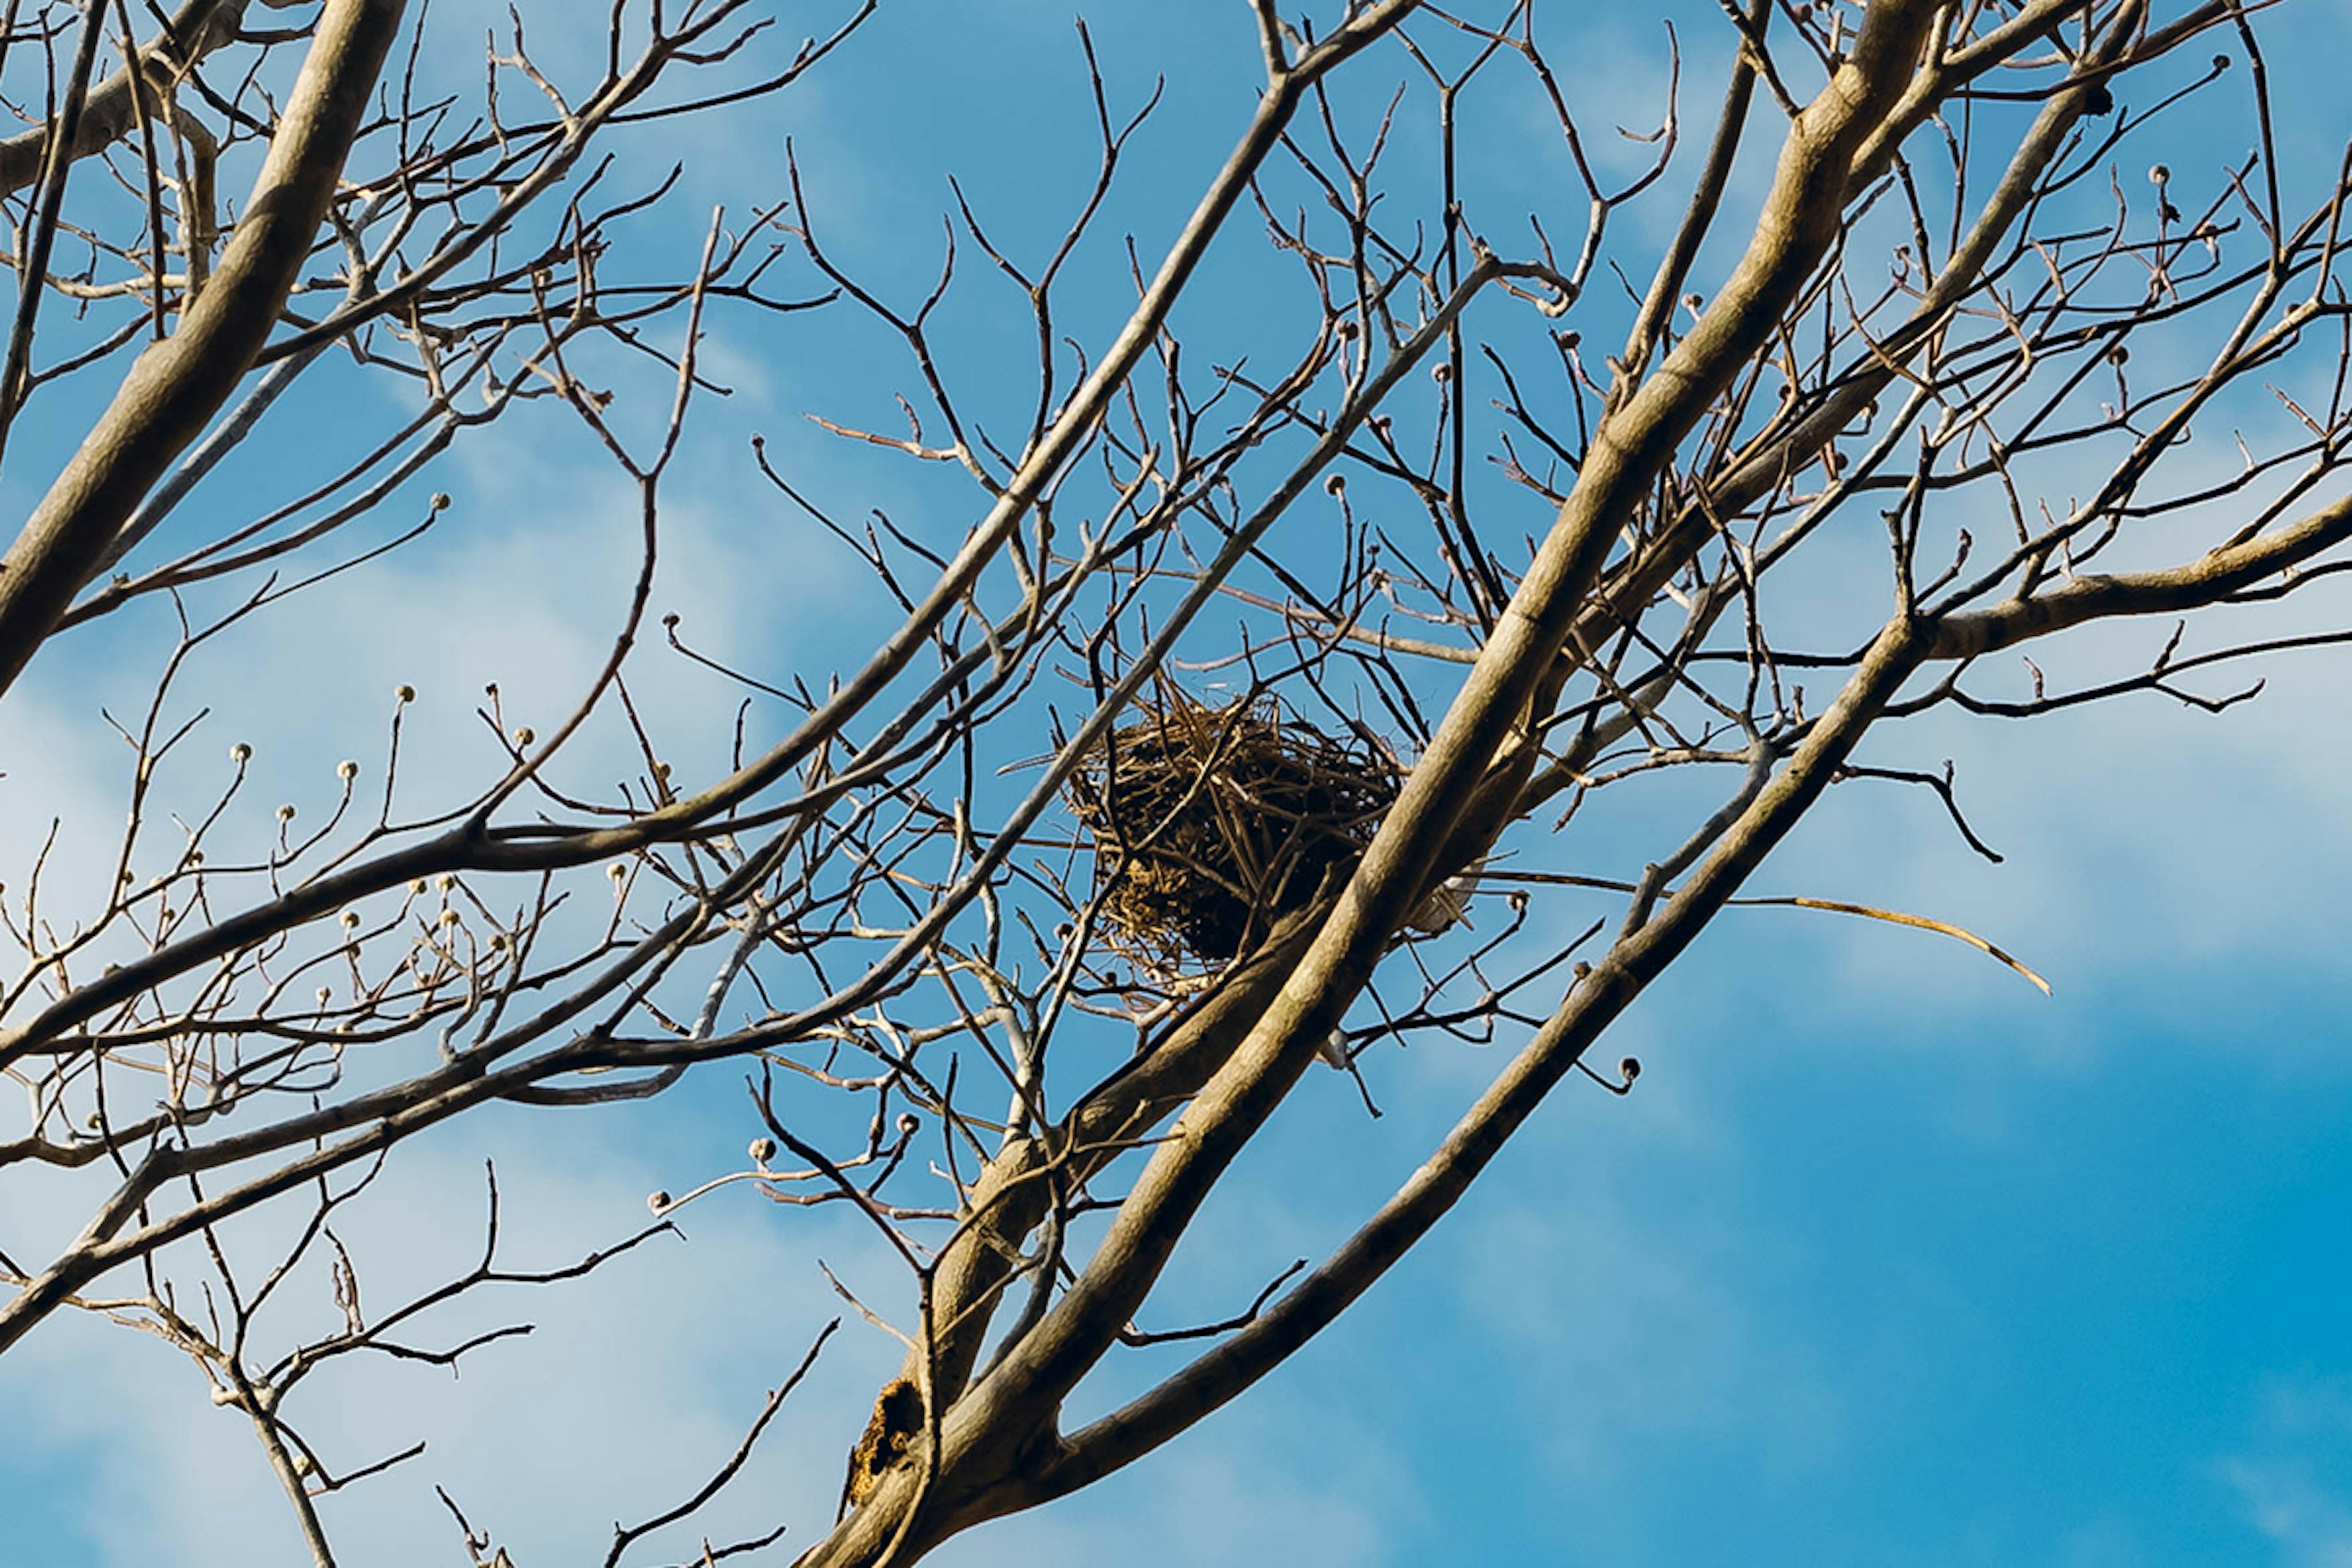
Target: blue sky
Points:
(1888, 1258)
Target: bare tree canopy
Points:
(1019, 687)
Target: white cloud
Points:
(1239, 1502)
(2311, 1525)
(637, 1385)
(1634, 1330)
(2291, 1483)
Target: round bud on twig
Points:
(1630, 1068)
(763, 1150)
(658, 1200)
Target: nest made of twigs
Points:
(1210, 823)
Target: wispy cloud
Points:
(2309, 1523)
(2294, 1484)
(634, 1387)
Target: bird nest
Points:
(1210, 823)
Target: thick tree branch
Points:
(111, 111)
(177, 385)
(2193, 584)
